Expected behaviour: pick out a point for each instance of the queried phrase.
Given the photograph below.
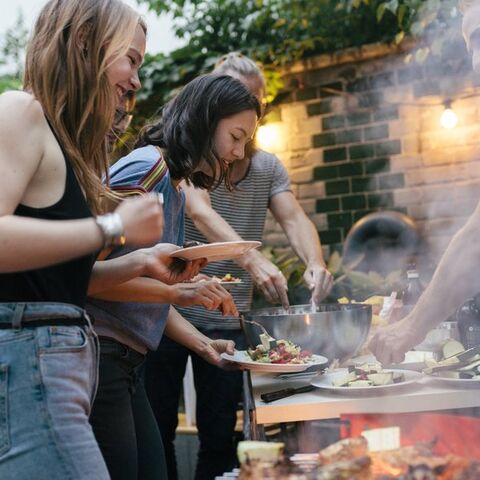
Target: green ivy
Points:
(278, 32)
(272, 32)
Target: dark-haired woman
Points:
(200, 133)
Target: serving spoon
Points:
(272, 340)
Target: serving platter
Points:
(414, 360)
(242, 358)
(326, 381)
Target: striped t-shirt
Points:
(245, 210)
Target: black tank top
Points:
(64, 282)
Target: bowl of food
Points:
(336, 331)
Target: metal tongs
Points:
(272, 341)
(458, 360)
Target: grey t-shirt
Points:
(245, 210)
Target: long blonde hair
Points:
(240, 64)
(71, 47)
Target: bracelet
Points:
(111, 226)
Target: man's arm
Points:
(214, 228)
(304, 239)
(456, 279)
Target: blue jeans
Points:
(218, 394)
(48, 378)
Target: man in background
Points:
(457, 276)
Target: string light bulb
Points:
(448, 119)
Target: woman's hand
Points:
(212, 350)
(161, 266)
(142, 219)
(209, 294)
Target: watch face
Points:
(112, 229)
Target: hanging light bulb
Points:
(449, 118)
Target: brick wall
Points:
(360, 132)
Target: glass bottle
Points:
(413, 290)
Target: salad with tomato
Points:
(284, 352)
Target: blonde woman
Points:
(82, 57)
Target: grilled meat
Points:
(344, 450)
(356, 469)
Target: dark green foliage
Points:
(273, 32)
(348, 282)
(278, 32)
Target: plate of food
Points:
(284, 357)
(217, 251)
(368, 378)
(414, 360)
(228, 281)
(455, 379)
(461, 369)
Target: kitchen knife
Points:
(286, 392)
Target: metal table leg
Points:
(251, 430)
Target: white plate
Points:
(225, 285)
(454, 382)
(217, 251)
(414, 360)
(242, 358)
(229, 285)
(326, 382)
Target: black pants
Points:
(122, 418)
(218, 394)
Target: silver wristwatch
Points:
(111, 226)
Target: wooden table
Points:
(321, 404)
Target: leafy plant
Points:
(435, 24)
(348, 282)
(272, 32)
(12, 46)
(357, 285)
(278, 32)
(9, 82)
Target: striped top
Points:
(245, 210)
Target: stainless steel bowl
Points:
(333, 330)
